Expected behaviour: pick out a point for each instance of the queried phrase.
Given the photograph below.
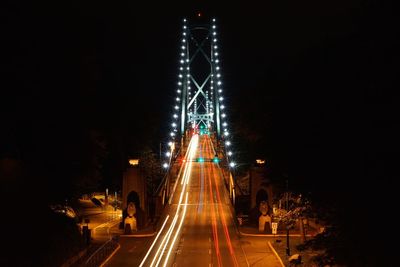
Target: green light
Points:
(200, 159)
(216, 160)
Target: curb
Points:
(139, 235)
(111, 255)
(272, 235)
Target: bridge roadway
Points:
(198, 229)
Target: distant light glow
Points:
(175, 116)
(215, 39)
(219, 82)
(232, 164)
(228, 143)
(220, 91)
(177, 99)
(260, 161)
(176, 107)
(217, 67)
(226, 133)
(223, 115)
(218, 75)
(230, 153)
(165, 165)
(170, 144)
(134, 162)
(168, 153)
(221, 98)
(222, 106)
(224, 124)
(173, 124)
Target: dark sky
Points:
(305, 79)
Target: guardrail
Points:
(101, 254)
(167, 174)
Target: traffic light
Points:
(200, 159)
(216, 160)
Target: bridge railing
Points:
(164, 180)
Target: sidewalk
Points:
(103, 225)
(278, 244)
(246, 230)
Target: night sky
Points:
(305, 82)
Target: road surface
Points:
(198, 228)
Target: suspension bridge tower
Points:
(199, 101)
(199, 92)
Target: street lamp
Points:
(287, 223)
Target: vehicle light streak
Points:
(163, 246)
(162, 242)
(214, 221)
(200, 207)
(177, 231)
(155, 240)
(179, 174)
(211, 173)
(223, 219)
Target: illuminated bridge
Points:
(198, 229)
(197, 225)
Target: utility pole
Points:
(287, 224)
(160, 151)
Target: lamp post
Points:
(287, 223)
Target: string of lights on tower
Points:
(202, 105)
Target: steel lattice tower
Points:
(199, 98)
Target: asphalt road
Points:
(198, 227)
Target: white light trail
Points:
(163, 246)
(177, 232)
(155, 240)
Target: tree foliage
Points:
(151, 169)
